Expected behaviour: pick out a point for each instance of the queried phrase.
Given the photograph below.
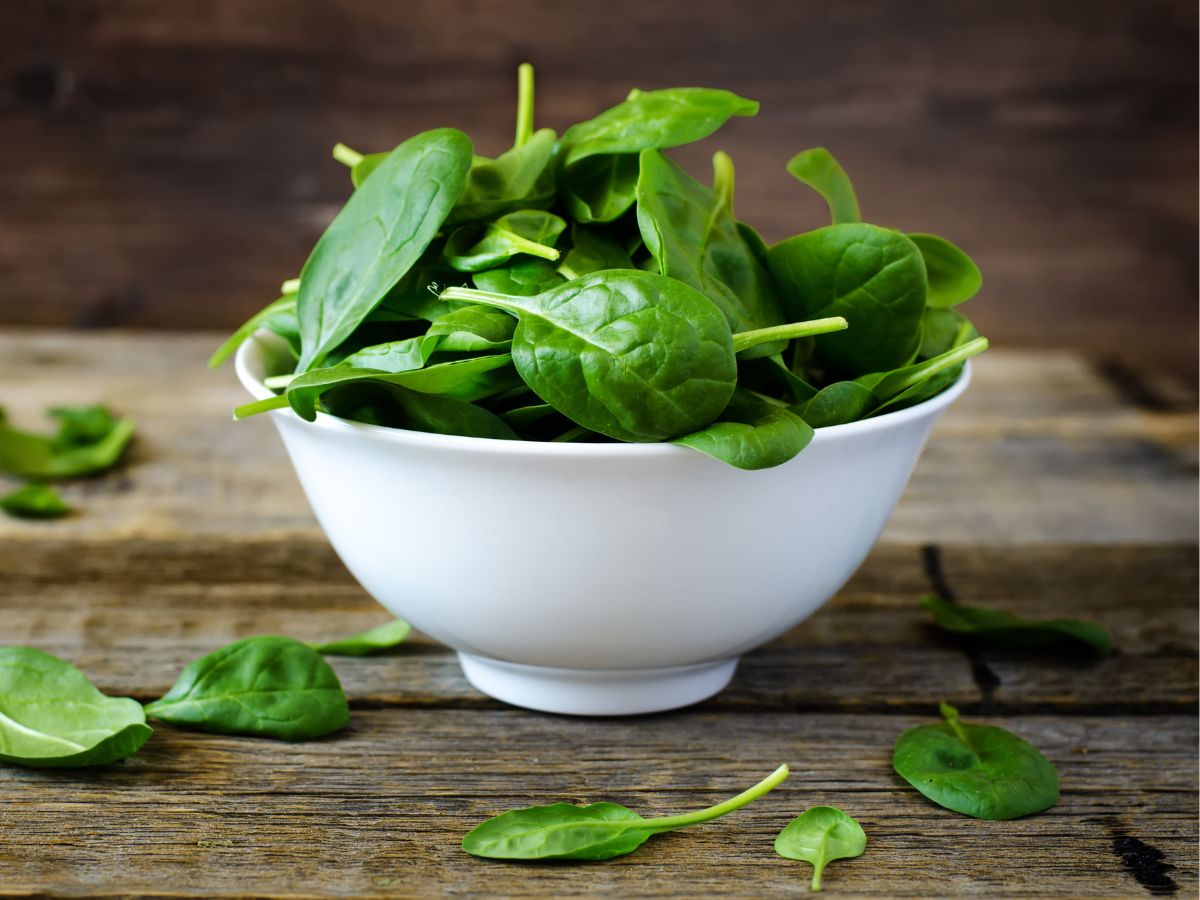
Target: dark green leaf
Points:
(265, 686)
(523, 277)
(820, 171)
(519, 178)
(601, 188)
(51, 716)
(1004, 629)
(819, 836)
(474, 248)
(473, 329)
(953, 276)
(592, 250)
(837, 404)
(380, 233)
(977, 770)
(381, 637)
(751, 434)
(35, 501)
(943, 330)
(396, 407)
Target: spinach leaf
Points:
(397, 407)
(520, 177)
(51, 716)
(693, 235)
(662, 119)
(751, 433)
(66, 455)
(601, 188)
(1004, 629)
(79, 426)
(819, 170)
(837, 404)
(524, 277)
(35, 501)
(382, 230)
(952, 275)
(594, 832)
(627, 354)
(872, 276)
(942, 330)
(593, 249)
(473, 329)
(977, 770)
(285, 304)
(473, 248)
(381, 637)
(819, 836)
(360, 166)
(267, 686)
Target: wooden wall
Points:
(165, 163)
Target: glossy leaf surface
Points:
(751, 434)
(819, 836)
(952, 275)
(819, 170)
(474, 248)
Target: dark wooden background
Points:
(166, 164)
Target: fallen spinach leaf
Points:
(41, 458)
(977, 770)
(52, 716)
(819, 836)
(1004, 629)
(594, 832)
(381, 637)
(35, 501)
(267, 686)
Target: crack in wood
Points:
(1146, 863)
(982, 674)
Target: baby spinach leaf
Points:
(995, 626)
(592, 250)
(594, 832)
(35, 501)
(394, 356)
(600, 188)
(473, 329)
(473, 248)
(977, 770)
(666, 118)
(953, 276)
(397, 407)
(380, 233)
(79, 426)
(943, 330)
(285, 304)
(627, 354)
(520, 177)
(819, 836)
(35, 456)
(360, 166)
(693, 235)
(751, 434)
(524, 277)
(837, 404)
(266, 686)
(51, 716)
(820, 171)
(872, 276)
(887, 385)
(381, 637)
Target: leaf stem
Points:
(666, 823)
(931, 367)
(950, 714)
(524, 104)
(485, 298)
(744, 340)
(291, 286)
(346, 156)
(259, 406)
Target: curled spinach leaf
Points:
(473, 248)
(52, 716)
(819, 836)
(977, 770)
(266, 686)
(594, 832)
(819, 170)
(76, 450)
(952, 275)
(997, 627)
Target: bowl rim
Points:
(253, 345)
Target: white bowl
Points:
(596, 579)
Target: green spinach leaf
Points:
(523, 277)
(820, 171)
(751, 433)
(600, 188)
(381, 637)
(953, 276)
(51, 716)
(67, 455)
(593, 249)
(819, 836)
(977, 770)
(285, 304)
(594, 832)
(35, 501)
(267, 686)
(995, 626)
(474, 248)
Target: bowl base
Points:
(597, 692)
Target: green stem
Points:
(259, 406)
(533, 248)
(950, 714)
(723, 179)
(744, 340)
(280, 382)
(524, 104)
(931, 367)
(667, 823)
(346, 156)
(485, 298)
(291, 286)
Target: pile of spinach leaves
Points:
(584, 287)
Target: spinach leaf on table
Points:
(52, 716)
(35, 501)
(627, 354)
(1004, 629)
(977, 770)
(819, 836)
(76, 450)
(381, 637)
(267, 686)
(594, 832)
(379, 234)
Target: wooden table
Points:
(1055, 487)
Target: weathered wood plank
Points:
(1041, 449)
(379, 809)
(138, 187)
(133, 614)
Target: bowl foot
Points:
(597, 692)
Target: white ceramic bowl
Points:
(596, 579)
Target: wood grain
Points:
(167, 164)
